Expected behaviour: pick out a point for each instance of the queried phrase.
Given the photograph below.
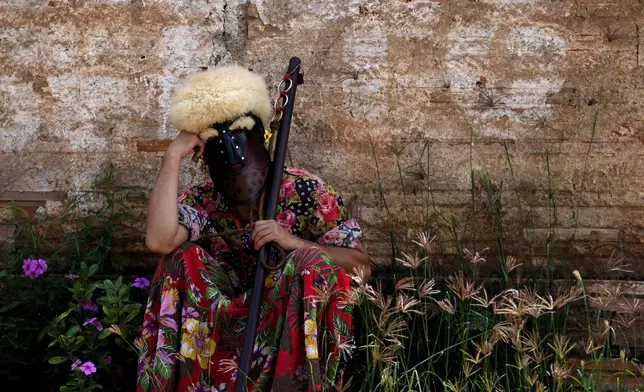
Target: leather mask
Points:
(238, 162)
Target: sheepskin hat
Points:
(218, 96)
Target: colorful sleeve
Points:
(346, 234)
(330, 220)
(192, 215)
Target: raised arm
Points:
(163, 232)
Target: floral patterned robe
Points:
(197, 311)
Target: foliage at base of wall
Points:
(60, 291)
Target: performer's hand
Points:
(266, 231)
(186, 143)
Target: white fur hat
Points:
(217, 96)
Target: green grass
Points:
(527, 328)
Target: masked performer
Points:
(198, 307)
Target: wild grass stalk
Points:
(473, 333)
(383, 201)
(585, 169)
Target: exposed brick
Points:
(27, 208)
(152, 145)
(32, 196)
(613, 373)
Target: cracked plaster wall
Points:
(439, 88)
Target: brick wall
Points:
(409, 95)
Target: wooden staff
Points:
(292, 79)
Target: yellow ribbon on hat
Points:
(267, 135)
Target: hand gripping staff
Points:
(284, 114)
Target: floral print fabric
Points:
(308, 207)
(198, 307)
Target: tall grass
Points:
(457, 333)
(523, 329)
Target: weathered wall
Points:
(440, 89)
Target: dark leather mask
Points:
(238, 162)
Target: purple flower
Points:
(89, 305)
(150, 325)
(198, 388)
(188, 312)
(88, 368)
(108, 358)
(93, 321)
(71, 276)
(141, 283)
(163, 356)
(195, 292)
(320, 281)
(143, 364)
(34, 268)
(76, 364)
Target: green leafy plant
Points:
(86, 237)
(80, 337)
